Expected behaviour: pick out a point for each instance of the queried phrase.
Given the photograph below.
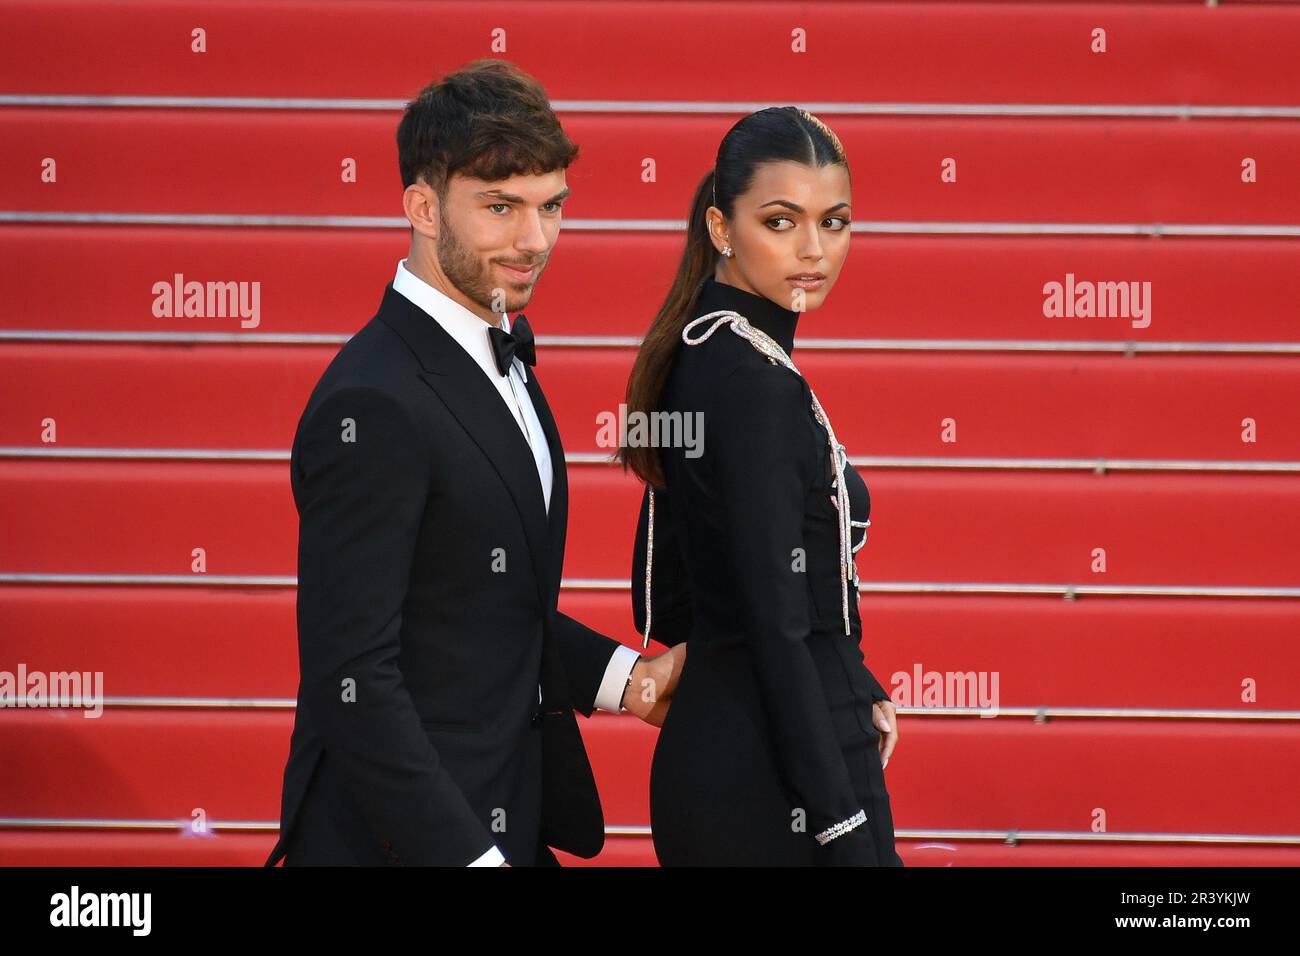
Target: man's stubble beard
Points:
(469, 274)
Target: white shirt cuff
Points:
(610, 695)
(493, 857)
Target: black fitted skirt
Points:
(716, 795)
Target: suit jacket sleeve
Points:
(671, 610)
(877, 692)
(763, 438)
(586, 654)
(360, 504)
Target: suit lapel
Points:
(461, 385)
(558, 515)
(555, 685)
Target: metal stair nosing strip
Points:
(1127, 347)
(876, 227)
(1010, 837)
(1182, 111)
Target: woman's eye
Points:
(841, 220)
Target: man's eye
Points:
(500, 205)
(557, 206)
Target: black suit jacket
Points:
(428, 578)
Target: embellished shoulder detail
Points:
(776, 355)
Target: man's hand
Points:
(654, 680)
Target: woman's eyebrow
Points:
(797, 208)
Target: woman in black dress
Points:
(771, 752)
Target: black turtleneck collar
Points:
(761, 311)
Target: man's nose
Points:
(532, 237)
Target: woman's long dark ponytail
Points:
(655, 357)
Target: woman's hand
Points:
(886, 719)
(654, 679)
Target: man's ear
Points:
(420, 203)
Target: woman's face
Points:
(794, 221)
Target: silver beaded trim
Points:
(841, 828)
(857, 547)
(649, 556)
(774, 353)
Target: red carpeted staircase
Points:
(1148, 711)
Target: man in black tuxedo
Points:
(435, 716)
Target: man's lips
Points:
(521, 272)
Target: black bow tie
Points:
(506, 345)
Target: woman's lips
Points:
(809, 284)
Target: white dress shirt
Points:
(471, 332)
